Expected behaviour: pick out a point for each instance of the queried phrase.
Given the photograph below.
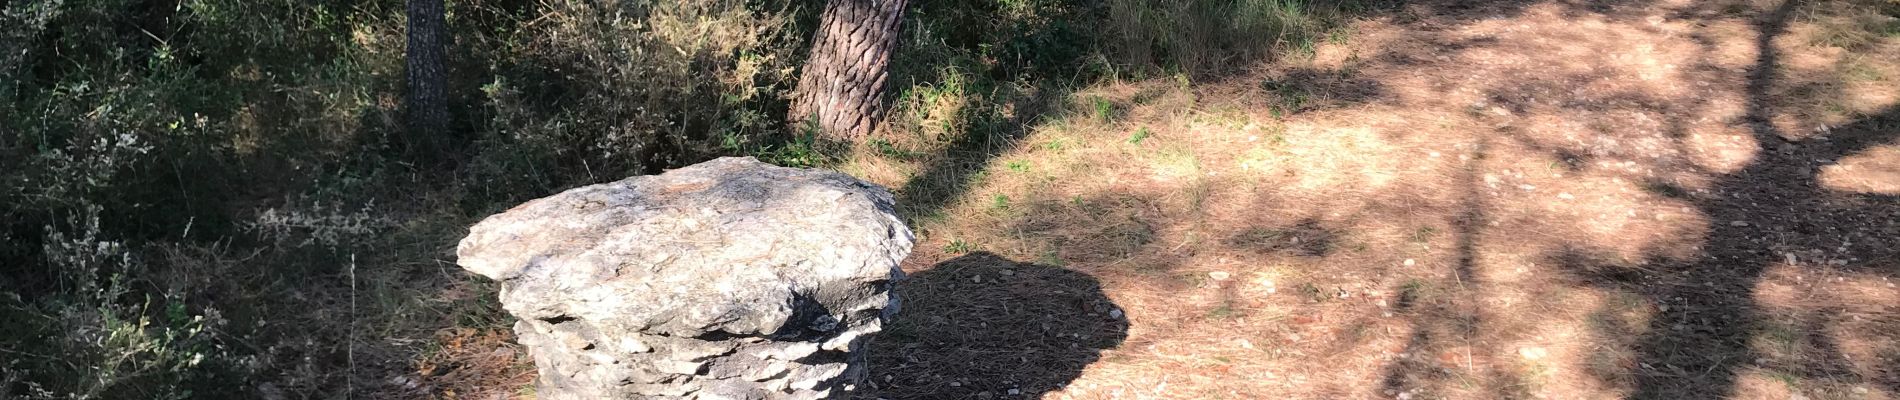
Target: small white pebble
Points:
(1532, 353)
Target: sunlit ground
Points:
(1520, 200)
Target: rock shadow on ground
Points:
(982, 326)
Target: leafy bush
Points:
(93, 343)
(187, 188)
(601, 90)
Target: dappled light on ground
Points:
(1511, 200)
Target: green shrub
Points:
(187, 188)
(98, 339)
(607, 89)
(1201, 37)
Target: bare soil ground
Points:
(1447, 200)
(1539, 199)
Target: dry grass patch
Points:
(1520, 201)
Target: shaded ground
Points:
(1554, 199)
(983, 326)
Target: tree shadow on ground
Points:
(1757, 217)
(982, 326)
(1696, 346)
(1709, 322)
(1459, 316)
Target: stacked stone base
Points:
(577, 360)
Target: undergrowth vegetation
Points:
(214, 198)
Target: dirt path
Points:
(1662, 200)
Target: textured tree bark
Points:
(427, 107)
(841, 87)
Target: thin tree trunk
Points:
(841, 88)
(427, 108)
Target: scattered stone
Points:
(1738, 223)
(1219, 275)
(502, 352)
(1410, 262)
(1532, 353)
(728, 279)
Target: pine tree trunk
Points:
(427, 107)
(841, 88)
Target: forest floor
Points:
(1537, 199)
